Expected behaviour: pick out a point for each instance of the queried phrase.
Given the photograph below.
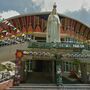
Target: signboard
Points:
(55, 45)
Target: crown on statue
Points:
(54, 9)
(54, 6)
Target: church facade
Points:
(50, 60)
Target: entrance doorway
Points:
(40, 71)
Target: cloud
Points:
(72, 8)
(8, 14)
(19, 5)
(82, 15)
(64, 5)
(25, 10)
(42, 5)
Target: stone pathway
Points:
(51, 87)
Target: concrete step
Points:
(51, 87)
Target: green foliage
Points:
(9, 67)
(76, 62)
(2, 67)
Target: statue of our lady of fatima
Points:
(53, 26)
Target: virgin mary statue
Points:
(53, 27)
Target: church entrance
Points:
(39, 71)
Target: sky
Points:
(72, 8)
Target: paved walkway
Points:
(51, 87)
